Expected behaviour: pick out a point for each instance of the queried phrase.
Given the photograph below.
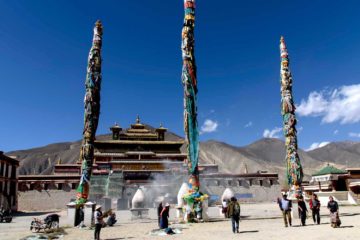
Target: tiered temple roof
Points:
(138, 151)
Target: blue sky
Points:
(44, 47)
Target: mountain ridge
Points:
(267, 154)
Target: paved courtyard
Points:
(259, 221)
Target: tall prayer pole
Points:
(190, 90)
(91, 114)
(294, 168)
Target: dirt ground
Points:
(252, 226)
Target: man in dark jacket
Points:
(233, 211)
(315, 208)
(302, 210)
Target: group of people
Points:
(231, 209)
(286, 207)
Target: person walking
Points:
(233, 211)
(98, 216)
(285, 206)
(334, 212)
(302, 210)
(315, 208)
(164, 215)
(159, 209)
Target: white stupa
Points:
(228, 193)
(138, 200)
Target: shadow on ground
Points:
(29, 214)
(49, 235)
(249, 231)
(118, 238)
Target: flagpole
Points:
(293, 164)
(91, 113)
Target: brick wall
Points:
(44, 200)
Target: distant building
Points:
(8, 181)
(138, 153)
(343, 185)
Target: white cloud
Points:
(314, 106)
(341, 104)
(317, 145)
(336, 132)
(249, 124)
(274, 133)
(209, 126)
(352, 134)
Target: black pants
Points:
(302, 216)
(235, 223)
(316, 215)
(97, 231)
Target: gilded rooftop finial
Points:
(138, 119)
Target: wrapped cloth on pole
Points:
(293, 165)
(194, 197)
(91, 113)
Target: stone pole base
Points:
(71, 213)
(89, 209)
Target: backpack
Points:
(236, 209)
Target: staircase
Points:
(342, 197)
(356, 197)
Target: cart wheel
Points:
(55, 225)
